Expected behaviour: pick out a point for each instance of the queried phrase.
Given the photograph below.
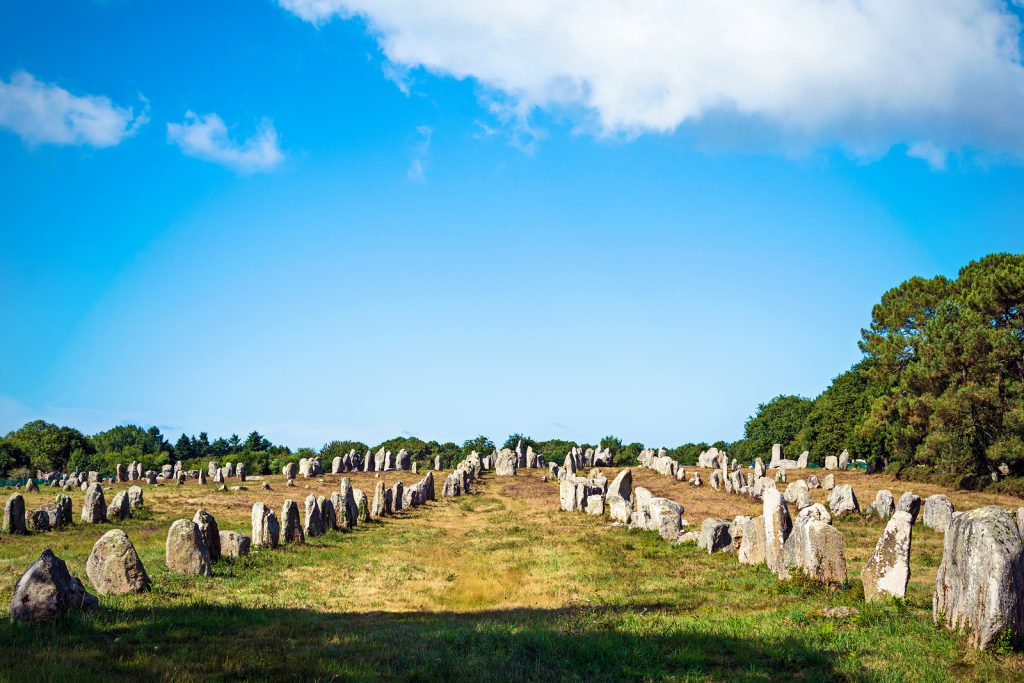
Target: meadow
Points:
(496, 585)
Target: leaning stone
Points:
(938, 512)
(94, 509)
(714, 536)
(14, 515)
(119, 508)
(622, 485)
(888, 569)
(209, 532)
(185, 552)
(114, 566)
(843, 501)
(980, 582)
(291, 526)
(910, 503)
(47, 591)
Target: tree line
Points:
(938, 393)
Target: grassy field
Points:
(498, 585)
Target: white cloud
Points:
(417, 171)
(42, 113)
(861, 74)
(206, 137)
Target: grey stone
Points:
(777, 526)
(843, 501)
(266, 529)
(114, 566)
(362, 504)
(887, 571)
(209, 533)
(883, 506)
(184, 551)
(119, 508)
(714, 536)
(910, 503)
(665, 517)
(94, 509)
(980, 582)
(938, 512)
(751, 550)
(291, 525)
(314, 522)
(47, 591)
(234, 544)
(14, 515)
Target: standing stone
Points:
(265, 527)
(389, 501)
(567, 495)
(120, 473)
(798, 495)
(777, 525)
(348, 513)
(314, 525)
(751, 550)
(437, 462)
(402, 460)
(209, 533)
(884, 505)
(47, 591)
(397, 496)
(94, 509)
(938, 512)
(362, 504)
(801, 461)
(714, 536)
(831, 462)
(290, 471)
(844, 459)
(234, 544)
(665, 517)
(980, 582)
(63, 503)
(910, 503)
(505, 465)
(1020, 520)
(114, 566)
(817, 549)
(843, 501)
(758, 468)
(14, 515)
(291, 526)
(377, 509)
(888, 569)
(213, 468)
(218, 476)
(202, 477)
(595, 505)
(119, 507)
(185, 552)
(428, 487)
(240, 471)
(228, 470)
(336, 464)
(136, 499)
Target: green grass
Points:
(489, 587)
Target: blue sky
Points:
(328, 219)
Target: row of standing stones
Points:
(980, 581)
(47, 590)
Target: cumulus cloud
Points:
(205, 136)
(43, 113)
(935, 76)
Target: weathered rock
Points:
(47, 591)
(714, 536)
(505, 464)
(290, 471)
(759, 468)
(619, 509)
(266, 529)
(717, 481)
(797, 494)
(888, 569)
(234, 544)
(844, 459)
(829, 482)
(910, 503)
(817, 549)
(751, 550)
(136, 498)
(209, 533)
(240, 472)
(114, 566)
(1020, 520)
(348, 512)
(777, 526)
(595, 504)
(831, 462)
(119, 508)
(314, 525)
(377, 509)
(362, 504)
(567, 495)
(938, 512)
(665, 517)
(63, 503)
(38, 520)
(883, 506)
(397, 496)
(291, 526)
(980, 582)
(185, 552)
(31, 486)
(622, 485)
(94, 509)
(14, 515)
(813, 513)
(813, 482)
(843, 501)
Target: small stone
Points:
(234, 544)
(47, 591)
